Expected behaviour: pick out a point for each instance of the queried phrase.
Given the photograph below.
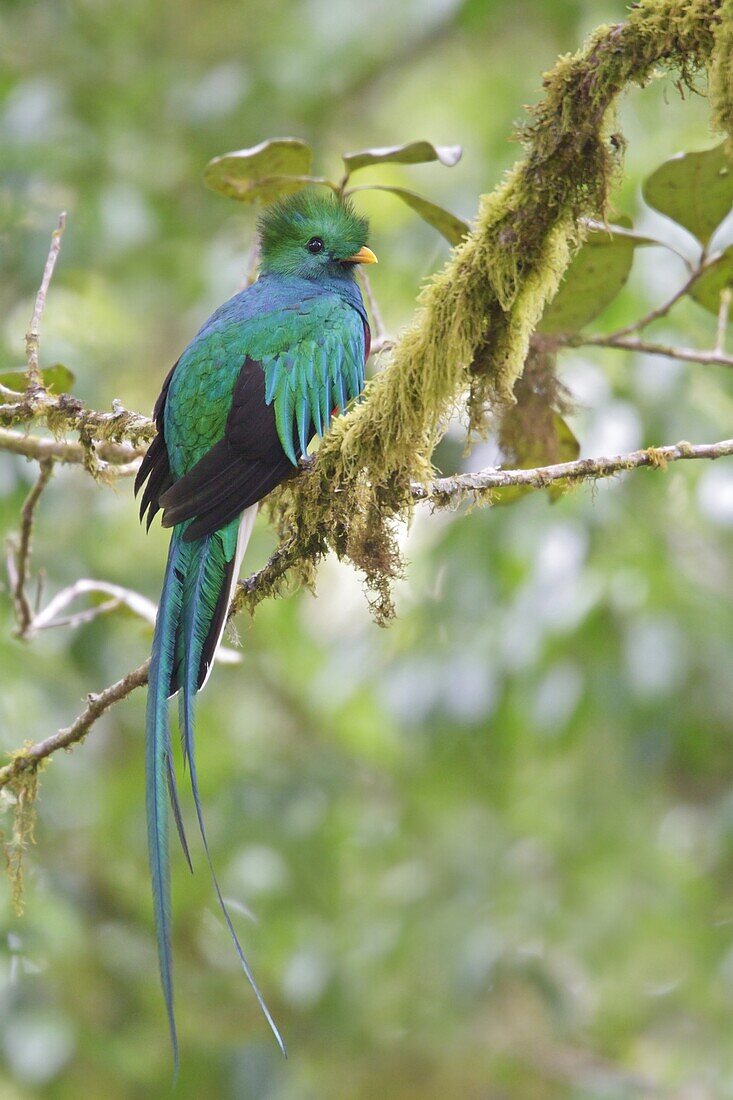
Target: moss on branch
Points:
(472, 330)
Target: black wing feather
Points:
(155, 468)
(239, 470)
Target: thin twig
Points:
(97, 704)
(725, 299)
(376, 314)
(631, 234)
(620, 338)
(34, 379)
(446, 489)
(663, 310)
(120, 596)
(79, 618)
(647, 347)
(22, 553)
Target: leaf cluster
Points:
(280, 166)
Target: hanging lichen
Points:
(527, 430)
(21, 792)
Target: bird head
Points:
(313, 236)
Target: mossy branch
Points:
(476, 317)
(113, 459)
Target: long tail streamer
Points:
(195, 575)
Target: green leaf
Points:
(414, 152)
(718, 277)
(262, 173)
(562, 447)
(13, 380)
(592, 281)
(693, 189)
(57, 378)
(451, 227)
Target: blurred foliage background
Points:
(489, 851)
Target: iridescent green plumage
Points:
(265, 373)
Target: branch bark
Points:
(116, 459)
(449, 490)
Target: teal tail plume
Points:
(158, 766)
(198, 582)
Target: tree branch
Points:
(447, 490)
(442, 492)
(67, 413)
(118, 597)
(265, 581)
(114, 459)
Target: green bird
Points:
(265, 373)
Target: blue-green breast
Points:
(310, 339)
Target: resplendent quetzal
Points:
(267, 371)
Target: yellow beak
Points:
(363, 256)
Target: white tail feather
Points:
(246, 524)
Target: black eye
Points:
(315, 244)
